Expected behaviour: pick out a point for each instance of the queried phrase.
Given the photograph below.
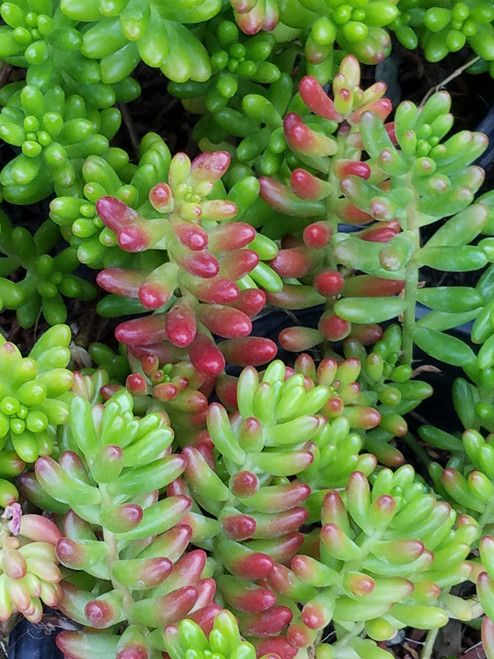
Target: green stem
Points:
(417, 449)
(484, 518)
(344, 640)
(113, 556)
(429, 643)
(411, 284)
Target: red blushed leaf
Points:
(191, 235)
(244, 484)
(238, 263)
(295, 262)
(350, 214)
(333, 328)
(165, 392)
(166, 609)
(205, 355)
(299, 635)
(245, 351)
(343, 168)
(217, 290)
(201, 264)
(266, 623)
(142, 331)
(100, 614)
(381, 106)
(234, 235)
(208, 167)
(121, 281)
(153, 295)
(303, 139)
(187, 570)
(295, 339)
(136, 384)
(252, 566)
(251, 301)
(380, 232)
(133, 652)
(280, 549)
(206, 589)
(114, 213)
(307, 186)
(251, 22)
(243, 6)
(205, 617)
(134, 239)
(224, 321)
(40, 529)
(161, 197)
(194, 403)
(274, 525)
(317, 235)
(328, 283)
(245, 596)
(369, 286)
(367, 335)
(238, 527)
(180, 323)
(488, 636)
(226, 389)
(316, 99)
(295, 296)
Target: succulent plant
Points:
(46, 278)
(34, 402)
(55, 131)
(207, 259)
(30, 574)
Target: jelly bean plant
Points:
(218, 336)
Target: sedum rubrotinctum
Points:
(151, 537)
(34, 397)
(389, 180)
(123, 543)
(29, 572)
(207, 280)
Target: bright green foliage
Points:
(357, 27)
(56, 133)
(111, 175)
(468, 477)
(33, 399)
(39, 37)
(224, 640)
(442, 28)
(41, 280)
(390, 389)
(246, 96)
(120, 34)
